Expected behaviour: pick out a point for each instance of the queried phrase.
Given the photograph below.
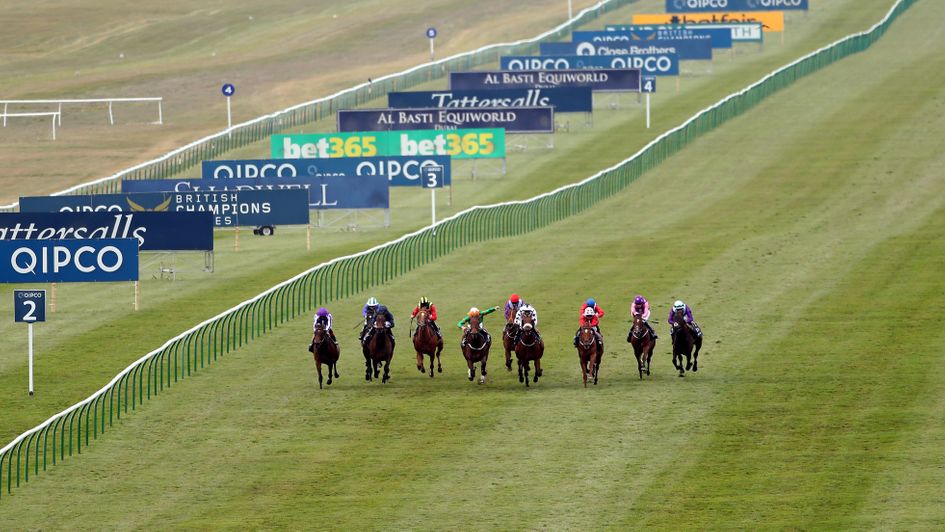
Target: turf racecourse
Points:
(93, 335)
(812, 254)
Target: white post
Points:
(432, 55)
(236, 243)
(60, 114)
(433, 207)
(308, 237)
(30, 328)
(111, 117)
(136, 296)
(229, 118)
(52, 298)
(648, 110)
(5, 114)
(160, 112)
(570, 11)
(54, 126)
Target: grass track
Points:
(813, 262)
(88, 342)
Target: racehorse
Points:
(324, 351)
(528, 347)
(476, 344)
(378, 349)
(508, 341)
(588, 351)
(426, 342)
(684, 339)
(643, 344)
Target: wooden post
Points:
(137, 294)
(308, 237)
(236, 245)
(52, 298)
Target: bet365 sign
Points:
(458, 143)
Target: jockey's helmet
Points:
(424, 302)
(591, 302)
(513, 298)
(372, 302)
(679, 305)
(589, 311)
(473, 312)
(322, 311)
(639, 300)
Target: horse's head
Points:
(320, 333)
(679, 317)
(527, 317)
(586, 336)
(422, 317)
(380, 321)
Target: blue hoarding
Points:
(512, 119)
(719, 37)
(656, 64)
(609, 80)
(155, 231)
(704, 6)
(229, 208)
(564, 100)
(68, 261)
(686, 50)
(324, 192)
(400, 170)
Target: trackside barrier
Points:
(66, 432)
(214, 146)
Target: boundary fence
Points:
(66, 432)
(213, 146)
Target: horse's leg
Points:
(367, 367)
(526, 364)
(431, 363)
(520, 370)
(439, 349)
(639, 361)
(318, 367)
(583, 364)
(387, 368)
(695, 356)
(471, 370)
(508, 353)
(482, 368)
(595, 363)
(537, 369)
(331, 368)
(420, 367)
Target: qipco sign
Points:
(68, 261)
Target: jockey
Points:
(324, 317)
(512, 306)
(476, 313)
(425, 304)
(592, 312)
(526, 308)
(371, 310)
(687, 317)
(642, 307)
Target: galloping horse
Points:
(325, 352)
(426, 342)
(378, 349)
(508, 340)
(643, 344)
(528, 347)
(684, 339)
(588, 351)
(476, 344)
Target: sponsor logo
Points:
(59, 258)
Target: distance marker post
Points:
(228, 90)
(431, 34)
(648, 86)
(29, 306)
(432, 179)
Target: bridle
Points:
(590, 331)
(639, 331)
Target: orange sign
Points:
(770, 20)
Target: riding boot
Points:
(436, 329)
(696, 329)
(576, 335)
(652, 330)
(331, 334)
